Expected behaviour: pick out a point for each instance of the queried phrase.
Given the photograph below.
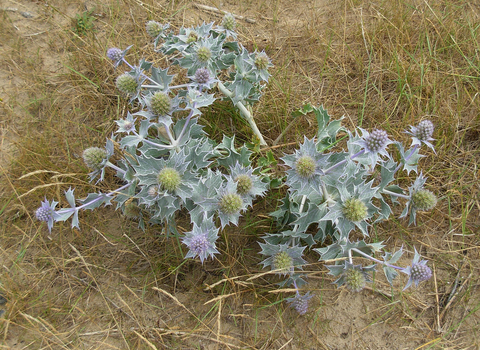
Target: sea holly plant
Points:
(167, 164)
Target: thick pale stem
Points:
(395, 194)
(245, 112)
(378, 261)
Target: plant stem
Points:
(378, 261)
(244, 111)
(395, 194)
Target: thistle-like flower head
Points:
(374, 145)
(127, 84)
(300, 302)
(354, 277)
(160, 103)
(249, 185)
(282, 258)
(201, 240)
(418, 271)
(46, 213)
(203, 54)
(420, 199)
(115, 54)
(229, 24)
(230, 203)
(262, 61)
(306, 167)
(424, 200)
(422, 133)
(153, 28)
(203, 78)
(95, 157)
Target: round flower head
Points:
(418, 271)
(376, 141)
(300, 303)
(305, 166)
(244, 184)
(374, 145)
(153, 28)
(230, 203)
(202, 76)
(115, 54)
(424, 200)
(355, 280)
(169, 179)
(127, 83)
(262, 61)
(229, 22)
(203, 54)
(422, 133)
(160, 103)
(424, 130)
(94, 157)
(283, 262)
(249, 185)
(46, 213)
(355, 210)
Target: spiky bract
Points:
(201, 240)
(300, 302)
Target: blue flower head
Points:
(47, 213)
(201, 240)
(418, 271)
(422, 133)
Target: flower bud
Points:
(355, 280)
(424, 130)
(377, 140)
(231, 203)
(355, 210)
(127, 84)
(192, 37)
(228, 22)
(204, 54)
(305, 167)
(160, 103)
(424, 200)
(115, 54)
(153, 28)
(202, 75)
(94, 157)
(169, 179)
(261, 61)
(244, 184)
